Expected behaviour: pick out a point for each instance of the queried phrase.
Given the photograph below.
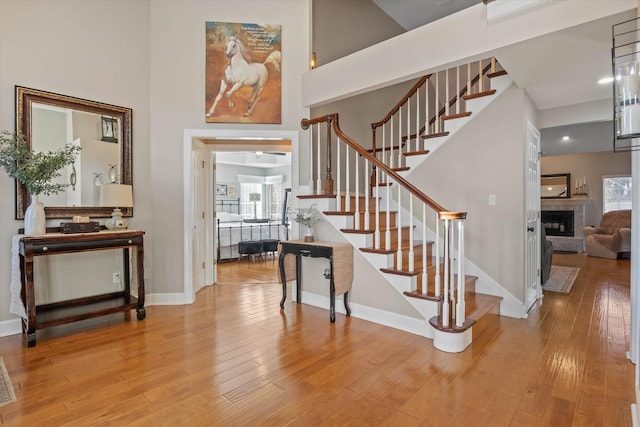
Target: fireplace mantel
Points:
(564, 202)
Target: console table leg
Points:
(332, 301)
(283, 278)
(346, 303)
(30, 338)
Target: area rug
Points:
(561, 279)
(6, 389)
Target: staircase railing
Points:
(423, 111)
(354, 164)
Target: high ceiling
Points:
(556, 70)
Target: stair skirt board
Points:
(409, 324)
(476, 105)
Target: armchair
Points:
(612, 237)
(546, 255)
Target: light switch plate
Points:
(492, 199)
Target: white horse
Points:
(241, 73)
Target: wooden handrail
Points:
(432, 120)
(442, 212)
(400, 103)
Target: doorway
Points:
(216, 141)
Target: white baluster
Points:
(458, 101)
(460, 306)
(437, 284)
(376, 235)
(411, 251)
(446, 257)
(426, 109)
(407, 144)
(357, 215)
(319, 178)
(399, 221)
(425, 282)
(366, 194)
(311, 160)
(446, 92)
(347, 195)
(481, 80)
(387, 234)
(390, 146)
(416, 147)
(338, 192)
(436, 125)
(399, 139)
(469, 89)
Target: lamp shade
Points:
(116, 195)
(254, 197)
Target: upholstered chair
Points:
(546, 255)
(612, 237)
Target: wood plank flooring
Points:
(233, 358)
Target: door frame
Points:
(204, 136)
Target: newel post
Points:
(328, 180)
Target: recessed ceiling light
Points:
(605, 80)
(566, 138)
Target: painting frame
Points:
(226, 189)
(243, 82)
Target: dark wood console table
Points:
(57, 313)
(340, 256)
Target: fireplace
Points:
(558, 223)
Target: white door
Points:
(533, 289)
(199, 232)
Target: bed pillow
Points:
(228, 217)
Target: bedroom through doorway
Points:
(251, 189)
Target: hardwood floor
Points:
(233, 358)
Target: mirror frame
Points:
(25, 97)
(567, 177)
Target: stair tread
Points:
(338, 213)
(405, 168)
(416, 153)
(497, 74)
(434, 135)
(479, 94)
(476, 306)
(456, 116)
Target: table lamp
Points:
(254, 197)
(116, 196)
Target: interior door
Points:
(533, 289)
(199, 235)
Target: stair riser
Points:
(394, 237)
(361, 205)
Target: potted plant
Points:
(35, 170)
(306, 217)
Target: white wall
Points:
(177, 82)
(153, 62)
(95, 50)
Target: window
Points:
(616, 192)
(260, 197)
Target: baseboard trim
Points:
(10, 327)
(374, 315)
(176, 298)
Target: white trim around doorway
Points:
(197, 136)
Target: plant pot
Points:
(35, 219)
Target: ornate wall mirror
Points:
(555, 186)
(49, 121)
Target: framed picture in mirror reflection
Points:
(109, 129)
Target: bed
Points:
(231, 229)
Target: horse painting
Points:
(240, 72)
